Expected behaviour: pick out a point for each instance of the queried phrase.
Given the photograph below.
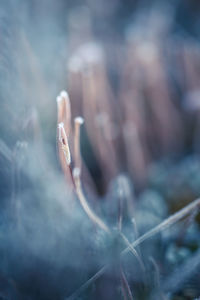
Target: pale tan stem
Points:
(77, 153)
(85, 205)
(64, 143)
(64, 111)
(159, 228)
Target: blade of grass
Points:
(125, 286)
(133, 251)
(160, 227)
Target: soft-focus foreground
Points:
(102, 203)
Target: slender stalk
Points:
(64, 130)
(166, 223)
(133, 251)
(77, 181)
(125, 286)
(64, 111)
(159, 228)
(77, 153)
(84, 204)
(64, 143)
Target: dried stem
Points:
(162, 226)
(136, 233)
(133, 251)
(76, 176)
(77, 153)
(64, 111)
(64, 129)
(83, 201)
(125, 286)
(166, 223)
(64, 143)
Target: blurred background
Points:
(132, 71)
